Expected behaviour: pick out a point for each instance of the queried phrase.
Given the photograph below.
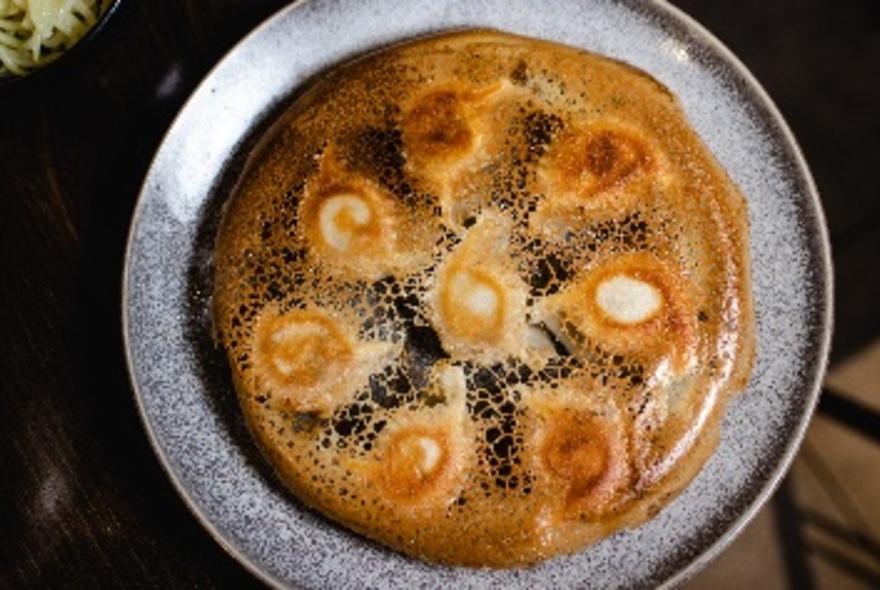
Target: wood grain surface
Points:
(84, 502)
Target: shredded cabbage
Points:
(35, 32)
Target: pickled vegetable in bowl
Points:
(35, 33)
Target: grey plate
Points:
(182, 385)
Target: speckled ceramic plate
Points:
(183, 387)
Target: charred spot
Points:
(489, 392)
(289, 256)
(347, 427)
(398, 382)
(518, 376)
(486, 381)
(407, 306)
(559, 368)
(353, 426)
(422, 349)
(520, 74)
(266, 229)
(436, 125)
(613, 156)
(384, 286)
(602, 155)
(383, 310)
(390, 389)
(379, 152)
(634, 232)
(350, 426)
(630, 233)
(504, 448)
(494, 404)
(275, 291)
(549, 274)
(540, 129)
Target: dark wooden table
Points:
(84, 501)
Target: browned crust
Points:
(547, 426)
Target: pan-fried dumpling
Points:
(484, 297)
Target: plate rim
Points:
(818, 230)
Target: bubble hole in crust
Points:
(475, 293)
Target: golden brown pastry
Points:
(484, 297)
